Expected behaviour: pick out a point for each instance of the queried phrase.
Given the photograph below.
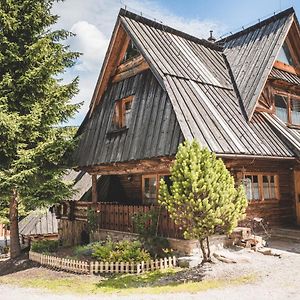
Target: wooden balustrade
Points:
(118, 217)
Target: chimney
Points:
(211, 38)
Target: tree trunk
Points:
(205, 259)
(208, 249)
(15, 248)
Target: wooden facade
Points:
(159, 86)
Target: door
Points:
(297, 194)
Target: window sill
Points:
(293, 126)
(116, 131)
(258, 202)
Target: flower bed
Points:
(96, 267)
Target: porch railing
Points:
(119, 217)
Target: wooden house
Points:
(239, 97)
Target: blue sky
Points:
(93, 21)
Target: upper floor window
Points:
(122, 112)
(287, 108)
(285, 55)
(281, 107)
(260, 187)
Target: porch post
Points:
(94, 189)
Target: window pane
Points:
(285, 55)
(127, 112)
(251, 187)
(255, 187)
(248, 187)
(269, 187)
(150, 190)
(281, 108)
(295, 111)
(266, 185)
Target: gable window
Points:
(122, 112)
(281, 108)
(287, 108)
(260, 187)
(285, 55)
(150, 187)
(295, 111)
(131, 52)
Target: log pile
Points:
(242, 236)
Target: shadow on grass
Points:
(21, 263)
(172, 277)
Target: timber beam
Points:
(134, 167)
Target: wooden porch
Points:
(119, 217)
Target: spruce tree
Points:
(34, 102)
(202, 199)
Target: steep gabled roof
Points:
(172, 52)
(252, 52)
(195, 95)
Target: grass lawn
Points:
(121, 284)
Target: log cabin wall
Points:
(276, 212)
(132, 186)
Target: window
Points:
(281, 108)
(285, 55)
(287, 108)
(150, 187)
(251, 187)
(295, 111)
(122, 113)
(260, 187)
(269, 187)
(132, 51)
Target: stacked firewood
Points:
(242, 236)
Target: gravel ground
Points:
(277, 277)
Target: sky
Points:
(93, 20)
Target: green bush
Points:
(108, 251)
(85, 251)
(44, 246)
(125, 251)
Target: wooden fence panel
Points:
(83, 267)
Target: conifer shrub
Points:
(109, 251)
(44, 246)
(203, 199)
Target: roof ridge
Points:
(257, 25)
(160, 26)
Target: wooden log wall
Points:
(132, 187)
(70, 231)
(277, 213)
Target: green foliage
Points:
(203, 199)
(145, 224)
(108, 251)
(91, 219)
(84, 251)
(124, 251)
(44, 246)
(34, 102)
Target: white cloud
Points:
(93, 22)
(91, 42)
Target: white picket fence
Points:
(95, 267)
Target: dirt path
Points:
(275, 278)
